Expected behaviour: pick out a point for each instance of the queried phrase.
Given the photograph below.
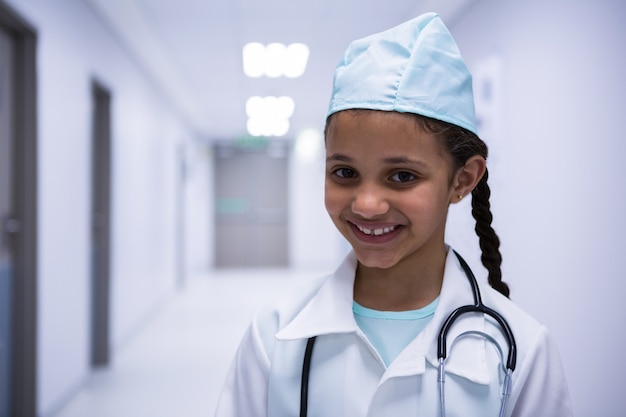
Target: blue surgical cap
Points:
(415, 67)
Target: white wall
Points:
(199, 228)
(75, 48)
(557, 176)
(314, 242)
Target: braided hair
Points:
(461, 144)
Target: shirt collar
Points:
(330, 312)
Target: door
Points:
(100, 237)
(251, 186)
(8, 223)
(18, 216)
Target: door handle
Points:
(10, 227)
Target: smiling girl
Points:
(401, 146)
(388, 187)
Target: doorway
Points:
(6, 214)
(18, 216)
(100, 221)
(251, 183)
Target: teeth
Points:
(376, 232)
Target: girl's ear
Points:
(468, 177)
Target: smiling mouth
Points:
(376, 232)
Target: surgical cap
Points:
(415, 67)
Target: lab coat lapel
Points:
(330, 309)
(467, 357)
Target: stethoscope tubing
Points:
(304, 386)
(477, 307)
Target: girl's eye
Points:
(403, 176)
(345, 173)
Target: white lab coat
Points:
(348, 377)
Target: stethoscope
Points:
(477, 307)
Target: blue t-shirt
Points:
(391, 331)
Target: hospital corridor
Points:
(177, 362)
(164, 176)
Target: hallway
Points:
(177, 362)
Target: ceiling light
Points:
(254, 59)
(275, 59)
(297, 57)
(269, 116)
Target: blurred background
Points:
(161, 177)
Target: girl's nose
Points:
(369, 202)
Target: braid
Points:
(461, 144)
(488, 239)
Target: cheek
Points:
(425, 206)
(332, 200)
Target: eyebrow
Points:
(402, 160)
(391, 160)
(339, 157)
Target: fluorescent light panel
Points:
(275, 60)
(269, 116)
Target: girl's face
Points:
(388, 186)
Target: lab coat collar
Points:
(330, 312)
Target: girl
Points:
(401, 146)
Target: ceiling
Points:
(192, 49)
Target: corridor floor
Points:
(176, 364)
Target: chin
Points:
(376, 261)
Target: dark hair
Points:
(460, 144)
